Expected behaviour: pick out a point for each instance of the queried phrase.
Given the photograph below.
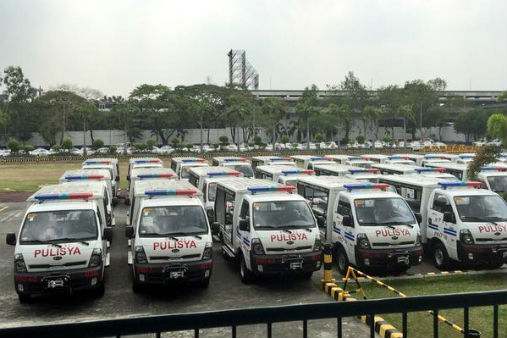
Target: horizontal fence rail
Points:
(267, 315)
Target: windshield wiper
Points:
(68, 239)
(171, 235)
(38, 241)
(479, 219)
(281, 228)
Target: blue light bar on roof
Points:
(297, 171)
(45, 197)
(354, 158)
(270, 188)
(223, 173)
(166, 175)
(494, 168)
(459, 184)
(232, 159)
(430, 170)
(84, 177)
(170, 192)
(316, 158)
(351, 187)
(398, 157)
(190, 160)
(466, 156)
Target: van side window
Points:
(229, 208)
(344, 208)
(441, 204)
(245, 210)
(193, 180)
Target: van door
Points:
(345, 235)
(445, 231)
(243, 236)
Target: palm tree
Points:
(307, 108)
(273, 111)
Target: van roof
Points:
(170, 187)
(414, 179)
(188, 159)
(84, 190)
(308, 157)
(241, 184)
(207, 171)
(328, 182)
(145, 160)
(275, 169)
(377, 156)
(230, 159)
(90, 174)
(452, 166)
(152, 173)
(395, 166)
(336, 168)
(342, 156)
(99, 160)
(271, 158)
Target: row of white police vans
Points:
(272, 215)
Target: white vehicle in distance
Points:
(458, 170)
(366, 225)
(309, 161)
(271, 160)
(205, 179)
(181, 165)
(240, 164)
(433, 158)
(61, 245)
(98, 175)
(110, 164)
(377, 158)
(494, 178)
(359, 162)
(440, 173)
(397, 159)
(332, 169)
(417, 158)
(144, 162)
(267, 228)
(459, 221)
(364, 174)
(41, 152)
(148, 174)
(170, 235)
(341, 159)
(276, 172)
(465, 158)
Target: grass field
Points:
(420, 324)
(28, 177)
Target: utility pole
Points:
(84, 134)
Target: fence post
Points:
(328, 263)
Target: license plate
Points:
(55, 283)
(296, 265)
(175, 274)
(402, 259)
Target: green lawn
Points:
(420, 324)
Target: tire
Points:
(115, 201)
(495, 263)
(136, 286)
(99, 290)
(203, 284)
(342, 261)
(440, 256)
(127, 201)
(307, 275)
(24, 299)
(247, 277)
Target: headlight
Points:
(208, 250)
(466, 237)
(257, 247)
(418, 239)
(19, 263)
(96, 258)
(317, 245)
(362, 241)
(140, 255)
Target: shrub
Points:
(150, 144)
(284, 139)
(257, 140)
(360, 139)
(13, 145)
(386, 139)
(97, 143)
(56, 148)
(216, 145)
(67, 144)
(140, 146)
(113, 150)
(224, 140)
(28, 147)
(319, 138)
(176, 143)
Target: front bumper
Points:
(167, 273)
(480, 254)
(390, 258)
(286, 263)
(58, 282)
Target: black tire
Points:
(203, 283)
(342, 261)
(136, 286)
(127, 201)
(99, 290)
(401, 268)
(24, 299)
(115, 201)
(307, 275)
(495, 263)
(440, 256)
(247, 277)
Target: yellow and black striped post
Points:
(328, 264)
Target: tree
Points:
(224, 140)
(5, 119)
(307, 108)
(13, 145)
(497, 127)
(84, 111)
(240, 113)
(273, 111)
(150, 144)
(97, 144)
(344, 116)
(371, 114)
(484, 156)
(67, 144)
(125, 114)
(472, 123)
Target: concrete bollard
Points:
(328, 263)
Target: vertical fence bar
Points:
(435, 323)
(269, 330)
(466, 319)
(495, 321)
(234, 332)
(157, 335)
(372, 326)
(404, 324)
(305, 328)
(339, 332)
(196, 333)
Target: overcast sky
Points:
(114, 46)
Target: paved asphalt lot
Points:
(225, 291)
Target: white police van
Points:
(435, 158)
(494, 178)
(97, 175)
(110, 166)
(459, 222)
(465, 158)
(170, 235)
(359, 162)
(367, 225)
(455, 169)
(148, 174)
(377, 158)
(417, 158)
(309, 161)
(341, 159)
(332, 170)
(397, 159)
(61, 245)
(271, 160)
(240, 164)
(99, 160)
(267, 228)
(364, 174)
(181, 165)
(205, 179)
(144, 162)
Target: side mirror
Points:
(215, 228)
(347, 221)
(108, 234)
(117, 178)
(418, 217)
(10, 239)
(244, 224)
(321, 221)
(449, 217)
(129, 232)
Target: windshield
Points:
(60, 225)
(244, 169)
(185, 172)
(212, 191)
(282, 214)
(481, 208)
(172, 220)
(383, 211)
(498, 184)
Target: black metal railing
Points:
(269, 315)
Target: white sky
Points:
(115, 45)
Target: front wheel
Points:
(440, 256)
(247, 276)
(203, 283)
(99, 290)
(342, 261)
(24, 299)
(307, 275)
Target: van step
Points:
(129, 242)
(228, 251)
(129, 259)
(216, 238)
